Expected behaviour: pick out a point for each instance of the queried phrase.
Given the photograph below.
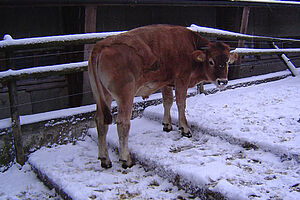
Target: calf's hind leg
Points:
(102, 129)
(167, 94)
(123, 126)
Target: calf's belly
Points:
(147, 89)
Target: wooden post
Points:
(15, 117)
(15, 121)
(200, 88)
(235, 73)
(244, 24)
(89, 27)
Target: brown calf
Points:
(143, 60)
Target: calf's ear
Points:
(233, 57)
(198, 56)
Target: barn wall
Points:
(21, 22)
(112, 18)
(277, 22)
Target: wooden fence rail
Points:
(11, 76)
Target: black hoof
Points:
(125, 165)
(105, 164)
(188, 134)
(167, 127)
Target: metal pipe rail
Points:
(42, 71)
(212, 32)
(9, 44)
(249, 51)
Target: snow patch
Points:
(21, 183)
(76, 170)
(7, 37)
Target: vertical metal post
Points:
(14, 114)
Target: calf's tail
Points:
(97, 88)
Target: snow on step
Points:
(75, 170)
(265, 115)
(206, 163)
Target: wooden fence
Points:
(9, 77)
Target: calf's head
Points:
(215, 59)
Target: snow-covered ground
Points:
(267, 115)
(21, 183)
(76, 169)
(245, 145)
